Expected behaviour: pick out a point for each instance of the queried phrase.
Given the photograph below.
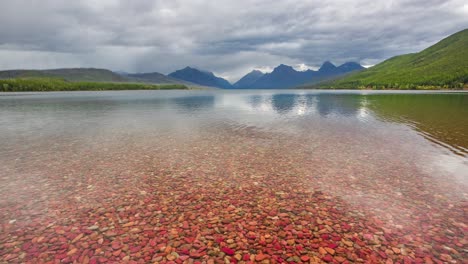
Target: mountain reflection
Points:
(195, 103)
(283, 103)
(255, 101)
(302, 104)
(347, 105)
(439, 118)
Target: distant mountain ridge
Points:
(443, 65)
(69, 74)
(92, 75)
(248, 79)
(200, 77)
(153, 77)
(285, 76)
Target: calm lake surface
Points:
(228, 176)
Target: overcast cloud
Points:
(227, 37)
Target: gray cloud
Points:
(227, 37)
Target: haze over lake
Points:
(368, 175)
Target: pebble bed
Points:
(229, 195)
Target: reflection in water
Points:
(301, 104)
(255, 101)
(354, 173)
(195, 103)
(346, 105)
(283, 103)
(441, 118)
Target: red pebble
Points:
(332, 246)
(327, 258)
(228, 251)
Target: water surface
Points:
(278, 175)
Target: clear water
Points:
(274, 171)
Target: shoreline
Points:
(203, 89)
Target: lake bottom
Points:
(330, 191)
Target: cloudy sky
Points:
(228, 37)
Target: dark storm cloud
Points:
(228, 37)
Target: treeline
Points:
(376, 84)
(372, 86)
(53, 84)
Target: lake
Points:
(234, 176)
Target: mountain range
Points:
(283, 76)
(200, 77)
(249, 79)
(443, 65)
(94, 75)
(153, 77)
